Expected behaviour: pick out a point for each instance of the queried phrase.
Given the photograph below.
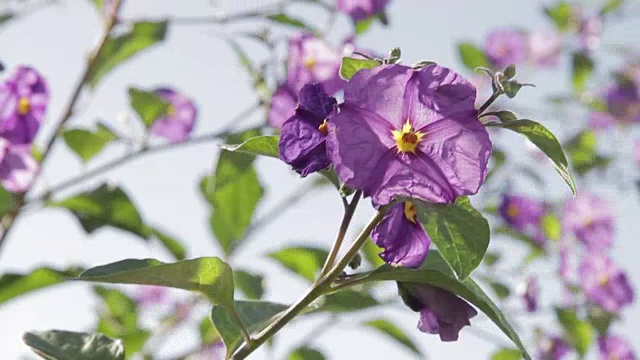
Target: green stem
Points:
(489, 101)
(316, 290)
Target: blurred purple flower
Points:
(441, 312)
(545, 47)
(590, 219)
(553, 348)
(283, 106)
(406, 132)
(215, 351)
(524, 215)
(150, 294)
(589, 32)
(604, 283)
(361, 9)
(636, 151)
(505, 47)
(601, 120)
(402, 237)
(23, 101)
(615, 348)
(623, 101)
(531, 293)
(302, 138)
(18, 168)
(177, 125)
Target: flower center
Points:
(324, 130)
(407, 138)
(309, 63)
(513, 211)
(603, 280)
(410, 211)
(23, 106)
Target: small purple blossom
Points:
(17, 167)
(615, 348)
(589, 32)
(23, 101)
(505, 47)
(177, 124)
(553, 348)
(590, 219)
(150, 294)
(623, 101)
(303, 137)
(604, 283)
(524, 215)
(531, 293)
(601, 120)
(361, 9)
(441, 312)
(406, 132)
(545, 47)
(402, 237)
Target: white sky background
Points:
(165, 186)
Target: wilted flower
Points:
(524, 215)
(545, 47)
(17, 167)
(302, 139)
(590, 219)
(23, 102)
(553, 348)
(441, 312)
(406, 132)
(530, 294)
(150, 294)
(361, 9)
(402, 237)
(177, 124)
(614, 348)
(604, 283)
(505, 47)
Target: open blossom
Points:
(553, 348)
(545, 47)
(604, 283)
(402, 237)
(177, 124)
(505, 47)
(441, 312)
(17, 167)
(524, 215)
(23, 101)
(623, 101)
(406, 132)
(361, 9)
(615, 348)
(590, 219)
(302, 138)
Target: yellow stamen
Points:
(24, 106)
(513, 211)
(407, 138)
(324, 130)
(309, 63)
(410, 212)
(603, 280)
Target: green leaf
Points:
(7, 201)
(86, 143)
(560, 14)
(503, 116)
(266, 145)
(13, 285)
(363, 25)
(601, 320)
(148, 105)
(172, 245)
(123, 47)
(285, 19)
(346, 301)
(234, 192)
(460, 232)
(209, 276)
(506, 354)
(105, 206)
(350, 66)
(387, 328)
(62, 345)
(611, 6)
(579, 333)
(545, 141)
(371, 253)
(472, 57)
(208, 334)
(491, 258)
(251, 285)
(551, 227)
(303, 261)
(582, 69)
(5, 17)
(582, 149)
(501, 290)
(306, 353)
(256, 75)
(256, 315)
(436, 272)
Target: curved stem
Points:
(489, 101)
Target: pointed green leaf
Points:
(86, 143)
(13, 285)
(387, 328)
(503, 116)
(7, 201)
(175, 247)
(506, 354)
(583, 153)
(472, 57)
(285, 19)
(209, 276)
(459, 231)
(611, 6)
(306, 353)
(346, 301)
(251, 285)
(148, 105)
(62, 345)
(578, 332)
(582, 70)
(303, 261)
(266, 145)
(362, 26)
(350, 66)
(561, 15)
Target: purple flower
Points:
(545, 47)
(615, 348)
(589, 32)
(361, 9)
(505, 47)
(623, 101)
(181, 116)
(441, 312)
(302, 138)
(17, 167)
(214, 351)
(402, 237)
(553, 348)
(283, 106)
(590, 219)
(604, 283)
(524, 215)
(150, 294)
(23, 102)
(601, 120)
(530, 295)
(636, 151)
(406, 132)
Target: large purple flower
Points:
(402, 237)
(590, 219)
(604, 283)
(177, 125)
(406, 132)
(545, 47)
(524, 215)
(361, 9)
(505, 47)
(623, 101)
(441, 312)
(302, 138)
(23, 102)
(17, 167)
(553, 348)
(615, 348)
